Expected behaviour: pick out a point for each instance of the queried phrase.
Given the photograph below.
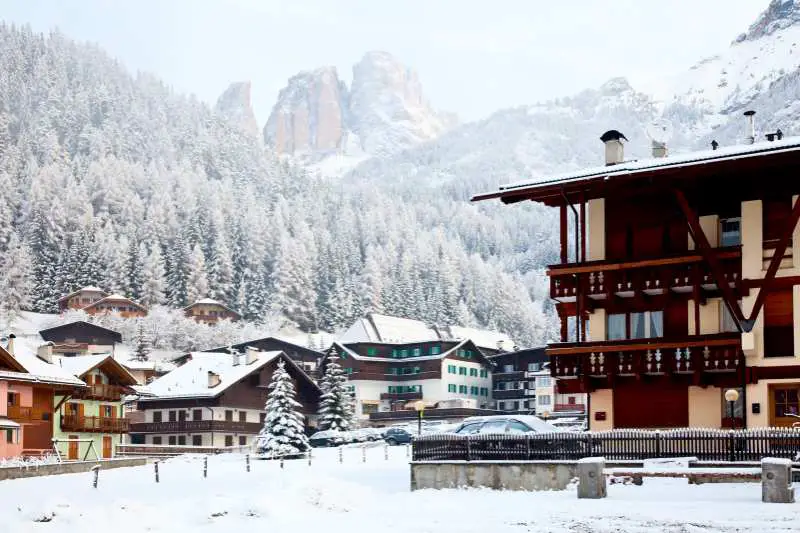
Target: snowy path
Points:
(355, 497)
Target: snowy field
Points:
(356, 497)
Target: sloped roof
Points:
(210, 301)
(47, 334)
(26, 353)
(88, 288)
(344, 348)
(483, 338)
(80, 365)
(115, 298)
(191, 379)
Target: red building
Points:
(677, 282)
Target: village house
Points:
(81, 298)
(679, 278)
(217, 399)
(210, 311)
(306, 358)
(451, 378)
(521, 383)
(81, 338)
(28, 386)
(96, 301)
(91, 422)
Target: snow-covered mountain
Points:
(235, 105)
(317, 117)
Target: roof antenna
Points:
(714, 145)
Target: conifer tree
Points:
(154, 283)
(336, 402)
(142, 344)
(283, 432)
(196, 282)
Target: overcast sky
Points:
(473, 56)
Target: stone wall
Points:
(16, 472)
(528, 475)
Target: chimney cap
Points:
(612, 135)
(12, 336)
(749, 113)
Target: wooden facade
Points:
(210, 312)
(81, 298)
(306, 358)
(118, 305)
(677, 282)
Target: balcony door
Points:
(72, 451)
(106, 447)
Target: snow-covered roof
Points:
(340, 347)
(483, 338)
(157, 360)
(88, 288)
(191, 379)
(26, 353)
(731, 153)
(210, 301)
(78, 366)
(114, 298)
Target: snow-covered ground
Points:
(357, 497)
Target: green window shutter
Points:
(417, 352)
(416, 370)
(371, 351)
(394, 352)
(435, 350)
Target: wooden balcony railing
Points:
(601, 280)
(94, 424)
(19, 413)
(190, 426)
(401, 395)
(113, 393)
(431, 414)
(663, 356)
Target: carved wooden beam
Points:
(701, 241)
(775, 262)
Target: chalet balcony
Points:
(509, 376)
(401, 396)
(196, 426)
(94, 424)
(698, 354)
(19, 413)
(109, 393)
(678, 274)
(430, 414)
(508, 394)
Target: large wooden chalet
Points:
(678, 282)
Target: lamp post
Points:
(419, 407)
(731, 395)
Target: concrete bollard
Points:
(247, 462)
(309, 457)
(363, 454)
(385, 452)
(205, 467)
(96, 471)
(591, 480)
(155, 467)
(776, 480)
(340, 455)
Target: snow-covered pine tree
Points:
(16, 276)
(283, 432)
(197, 281)
(336, 402)
(154, 282)
(142, 344)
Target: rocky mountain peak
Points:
(235, 105)
(779, 15)
(383, 112)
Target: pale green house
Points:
(95, 417)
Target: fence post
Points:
(340, 455)
(385, 452)
(363, 454)
(658, 443)
(309, 457)
(205, 466)
(96, 471)
(469, 448)
(281, 461)
(155, 467)
(247, 462)
(731, 447)
(590, 446)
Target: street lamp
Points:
(419, 407)
(731, 395)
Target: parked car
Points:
(505, 424)
(553, 440)
(324, 439)
(366, 434)
(394, 436)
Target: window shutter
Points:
(778, 308)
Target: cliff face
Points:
(383, 112)
(235, 105)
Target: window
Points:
(417, 352)
(474, 391)
(462, 371)
(417, 370)
(473, 372)
(107, 411)
(494, 426)
(403, 354)
(501, 406)
(786, 402)
(533, 367)
(451, 369)
(242, 441)
(228, 440)
(182, 440)
(462, 389)
(501, 385)
(451, 388)
(197, 414)
(157, 441)
(10, 436)
(778, 324)
(436, 350)
(394, 353)
(616, 327)
(372, 351)
(484, 373)
(156, 417)
(484, 391)
(543, 381)
(172, 440)
(392, 371)
(242, 416)
(468, 354)
(508, 368)
(470, 429)
(228, 415)
(13, 398)
(182, 416)
(544, 399)
(197, 440)
(367, 408)
(173, 416)
(517, 427)
(348, 371)
(730, 232)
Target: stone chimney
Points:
(45, 352)
(235, 357)
(615, 150)
(10, 348)
(213, 379)
(251, 355)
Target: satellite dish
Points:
(659, 131)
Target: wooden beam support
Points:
(564, 236)
(583, 227)
(775, 262)
(701, 242)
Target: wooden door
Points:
(106, 447)
(72, 452)
(660, 404)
